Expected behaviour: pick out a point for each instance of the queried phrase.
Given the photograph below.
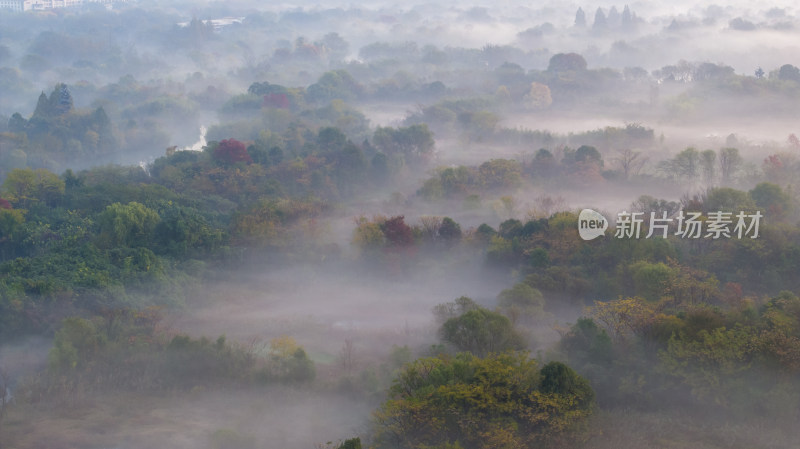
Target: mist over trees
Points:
(230, 224)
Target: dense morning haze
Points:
(391, 225)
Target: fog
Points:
(290, 418)
(286, 173)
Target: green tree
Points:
(558, 378)
(337, 47)
(449, 230)
(586, 343)
(454, 309)
(17, 124)
(24, 187)
(478, 125)
(788, 72)
(481, 332)
(714, 364)
(521, 302)
(726, 199)
(563, 62)
(11, 221)
(500, 174)
(129, 224)
(600, 22)
(708, 160)
(647, 204)
(502, 400)
(368, 236)
(74, 345)
(336, 84)
(651, 280)
(544, 164)
(331, 140)
(730, 162)
(185, 231)
(411, 144)
(685, 166)
(584, 164)
(42, 107)
(771, 200)
(288, 362)
(580, 18)
(588, 154)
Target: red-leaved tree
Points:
(274, 100)
(231, 151)
(397, 232)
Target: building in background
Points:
(38, 5)
(14, 5)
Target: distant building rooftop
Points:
(38, 5)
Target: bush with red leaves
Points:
(231, 151)
(4, 204)
(276, 100)
(397, 232)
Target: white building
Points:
(38, 5)
(14, 5)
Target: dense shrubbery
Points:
(123, 350)
(113, 236)
(654, 354)
(471, 328)
(466, 401)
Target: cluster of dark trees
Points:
(625, 21)
(56, 134)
